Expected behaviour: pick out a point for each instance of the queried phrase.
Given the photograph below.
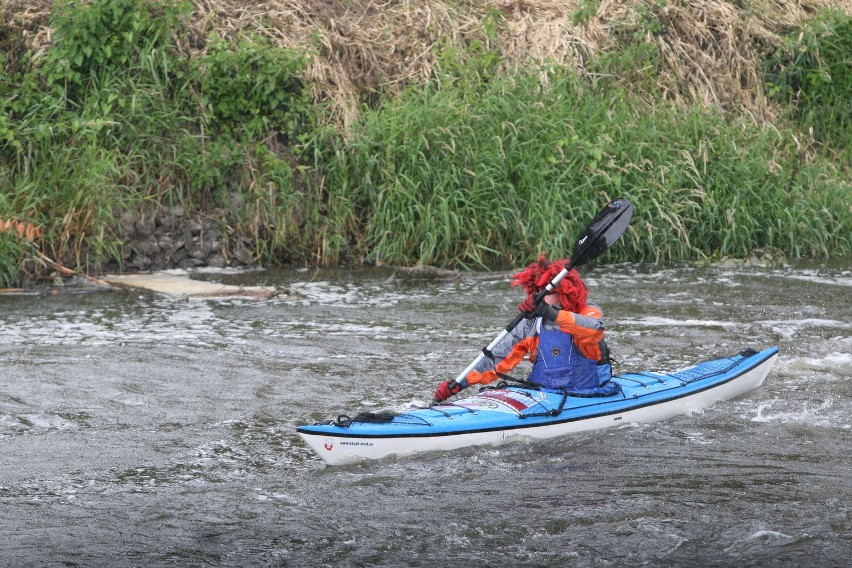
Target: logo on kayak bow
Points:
(328, 445)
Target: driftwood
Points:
(422, 272)
(65, 271)
(181, 285)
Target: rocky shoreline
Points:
(170, 237)
(155, 240)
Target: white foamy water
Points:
(817, 277)
(655, 321)
(169, 428)
(829, 413)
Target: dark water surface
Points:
(143, 431)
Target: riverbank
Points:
(139, 135)
(254, 283)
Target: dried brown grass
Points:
(24, 230)
(710, 50)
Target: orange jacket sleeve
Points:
(505, 365)
(587, 328)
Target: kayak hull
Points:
(496, 415)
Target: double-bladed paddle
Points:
(607, 226)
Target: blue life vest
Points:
(559, 364)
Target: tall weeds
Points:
(811, 73)
(112, 117)
(483, 136)
(496, 174)
(12, 255)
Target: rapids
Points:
(140, 430)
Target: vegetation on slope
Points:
(471, 134)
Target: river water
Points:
(139, 430)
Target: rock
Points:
(147, 246)
(127, 223)
(190, 262)
(423, 272)
(216, 261)
(166, 244)
(179, 255)
(141, 262)
(160, 261)
(770, 256)
(171, 237)
(243, 255)
(766, 257)
(144, 226)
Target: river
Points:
(140, 430)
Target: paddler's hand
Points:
(544, 310)
(447, 389)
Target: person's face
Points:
(553, 300)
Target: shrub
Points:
(811, 73)
(254, 87)
(495, 175)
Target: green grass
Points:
(476, 169)
(812, 75)
(13, 253)
(113, 119)
(493, 177)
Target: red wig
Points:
(571, 290)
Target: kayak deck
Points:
(495, 414)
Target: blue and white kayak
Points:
(495, 415)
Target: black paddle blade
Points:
(609, 224)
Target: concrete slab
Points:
(179, 284)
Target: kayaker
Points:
(563, 337)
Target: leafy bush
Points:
(89, 38)
(253, 86)
(812, 74)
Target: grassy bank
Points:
(474, 154)
(496, 172)
(112, 119)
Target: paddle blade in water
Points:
(603, 231)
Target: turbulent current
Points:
(139, 430)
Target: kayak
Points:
(495, 415)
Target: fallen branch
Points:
(65, 271)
